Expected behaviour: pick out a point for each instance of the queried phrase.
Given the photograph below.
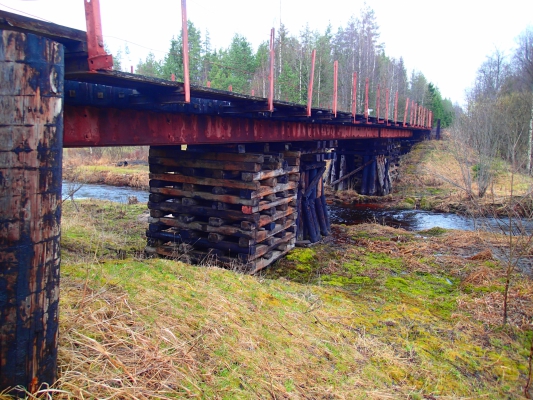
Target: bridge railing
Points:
(415, 114)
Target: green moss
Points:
(405, 205)
(435, 231)
(425, 204)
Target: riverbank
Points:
(428, 179)
(133, 175)
(375, 312)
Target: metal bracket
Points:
(97, 56)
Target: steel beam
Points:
(93, 126)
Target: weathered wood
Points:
(217, 182)
(209, 164)
(265, 205)
(351, 173)
(314, 182)
(172, 152)
(31, 141)
(228, 148)
(321, 217)
(261, 175)
(342, 172)
(308, 221)
(224, 198)
(204, 211)
(261, 250)
(307, 167)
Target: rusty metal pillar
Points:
(31, 145)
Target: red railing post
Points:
(335, 76)
(97, 56)
(185, 40)
(366, 100)
(311, 82)
(377, 103)
(271, 74)
(405, 113)
(387, 95)
(354, 97)
(396, 108)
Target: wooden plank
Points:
(261, 250)
(307, 167)
(265, 191)
(233, 215)
(228, 148)
(202, 242)
(249, 177)
(210, 164)
(224, 198)
(262, 263)
(189, 155)
(314, 182)
(228, 183)
(264, 205)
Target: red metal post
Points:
(271, 75)
(354, 97)
(311, 81)
(405, 113)
(185, 39)
(172, 77)
(415, 115)
(377, 103)
(387, 95)
(230, 88)
(335, 76)
(131, 68)
(411, 114)
(366, 100)
(98, 58)
(430, 119)
(253, 92)
(209, 84)
(396, 108)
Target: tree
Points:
(524, 65)
(149, 67)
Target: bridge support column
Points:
(31, 138)
(367, 167)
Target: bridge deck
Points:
(112, 108)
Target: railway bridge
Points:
(248, 185)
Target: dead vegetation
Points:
(375, 313)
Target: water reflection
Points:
(417, 220)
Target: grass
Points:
(376, 313)
(430, 178)
(132, 175)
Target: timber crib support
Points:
(242, 205)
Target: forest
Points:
(356, 46)
(496, 122)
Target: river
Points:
(412, 220)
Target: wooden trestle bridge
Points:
(249, 184)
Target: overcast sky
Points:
(446, 40)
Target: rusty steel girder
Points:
(92, 126)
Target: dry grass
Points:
(369, 315)
(432, 176)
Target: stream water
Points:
(412, 220)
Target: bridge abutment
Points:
(31, 141)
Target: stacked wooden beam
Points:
(313, 221)
(235, 203)
(368, 168)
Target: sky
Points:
(447, 40)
